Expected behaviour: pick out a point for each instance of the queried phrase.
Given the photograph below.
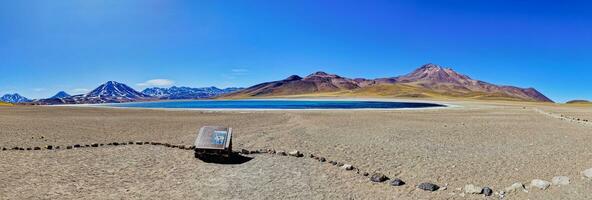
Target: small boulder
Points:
(472, 189)
(94, 145)
(365, 174)
(68, 147)
(322, 159)
(29, 148)
(339, 164)
(560, 180)
(295, 153)
(540, 184)
(37, 148)
(130, 142)
(244, 151)
(397, 182)
(76, 146)
(189, 147)
(428, 187)
(487, 191)
(139, 143)
(378, 177)
(49, 147)
(587, 173)
(333, 162)
(347, 167)
(515, 187)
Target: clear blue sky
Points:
(47, 46)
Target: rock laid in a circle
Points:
(515, 187)
(139, 143)
(87, 145)
(68, 147)
(4, 149)
(560, 180)
(587, 173)
(29, 148)
(378, 177)
(281, 153)
(397, 182)
(94, 145)
(428, 187)
(49, 147)
(472, 189)
(76, 146)
(347, 167)
(189, 147)
(487, 191)
(295, 153)
(244, 151)
(333, 162)
(339, 164)
(540, 184)
(311, 156)
(366, 174)
(322, 159)
(130, 142)
(37, 148)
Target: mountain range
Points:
(187, 92)
(115, 92)
(428, 81)
(14, 98)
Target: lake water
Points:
(275, 104)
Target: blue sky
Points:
(47, 46)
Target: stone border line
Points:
(375, 177)
(564, 117)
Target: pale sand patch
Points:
(486, 144)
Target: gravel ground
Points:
(485, 144)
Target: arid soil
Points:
(485, 144)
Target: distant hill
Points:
(187, 92)
(60, 95)
(109, 92)
(579, 102)
(429, 80)
(14, 98)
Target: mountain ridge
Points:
(14, 98)
(427, 80)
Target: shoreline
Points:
(443, 105)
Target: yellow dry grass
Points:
(5, 104)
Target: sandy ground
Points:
(486, 144)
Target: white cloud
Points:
(239, 70)
(80, 90)
(156, 83)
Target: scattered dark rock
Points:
(428, 187)
(397, 182)
(487, 191)
(378, 177)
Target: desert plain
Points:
(484, 143)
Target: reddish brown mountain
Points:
(429, 80)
